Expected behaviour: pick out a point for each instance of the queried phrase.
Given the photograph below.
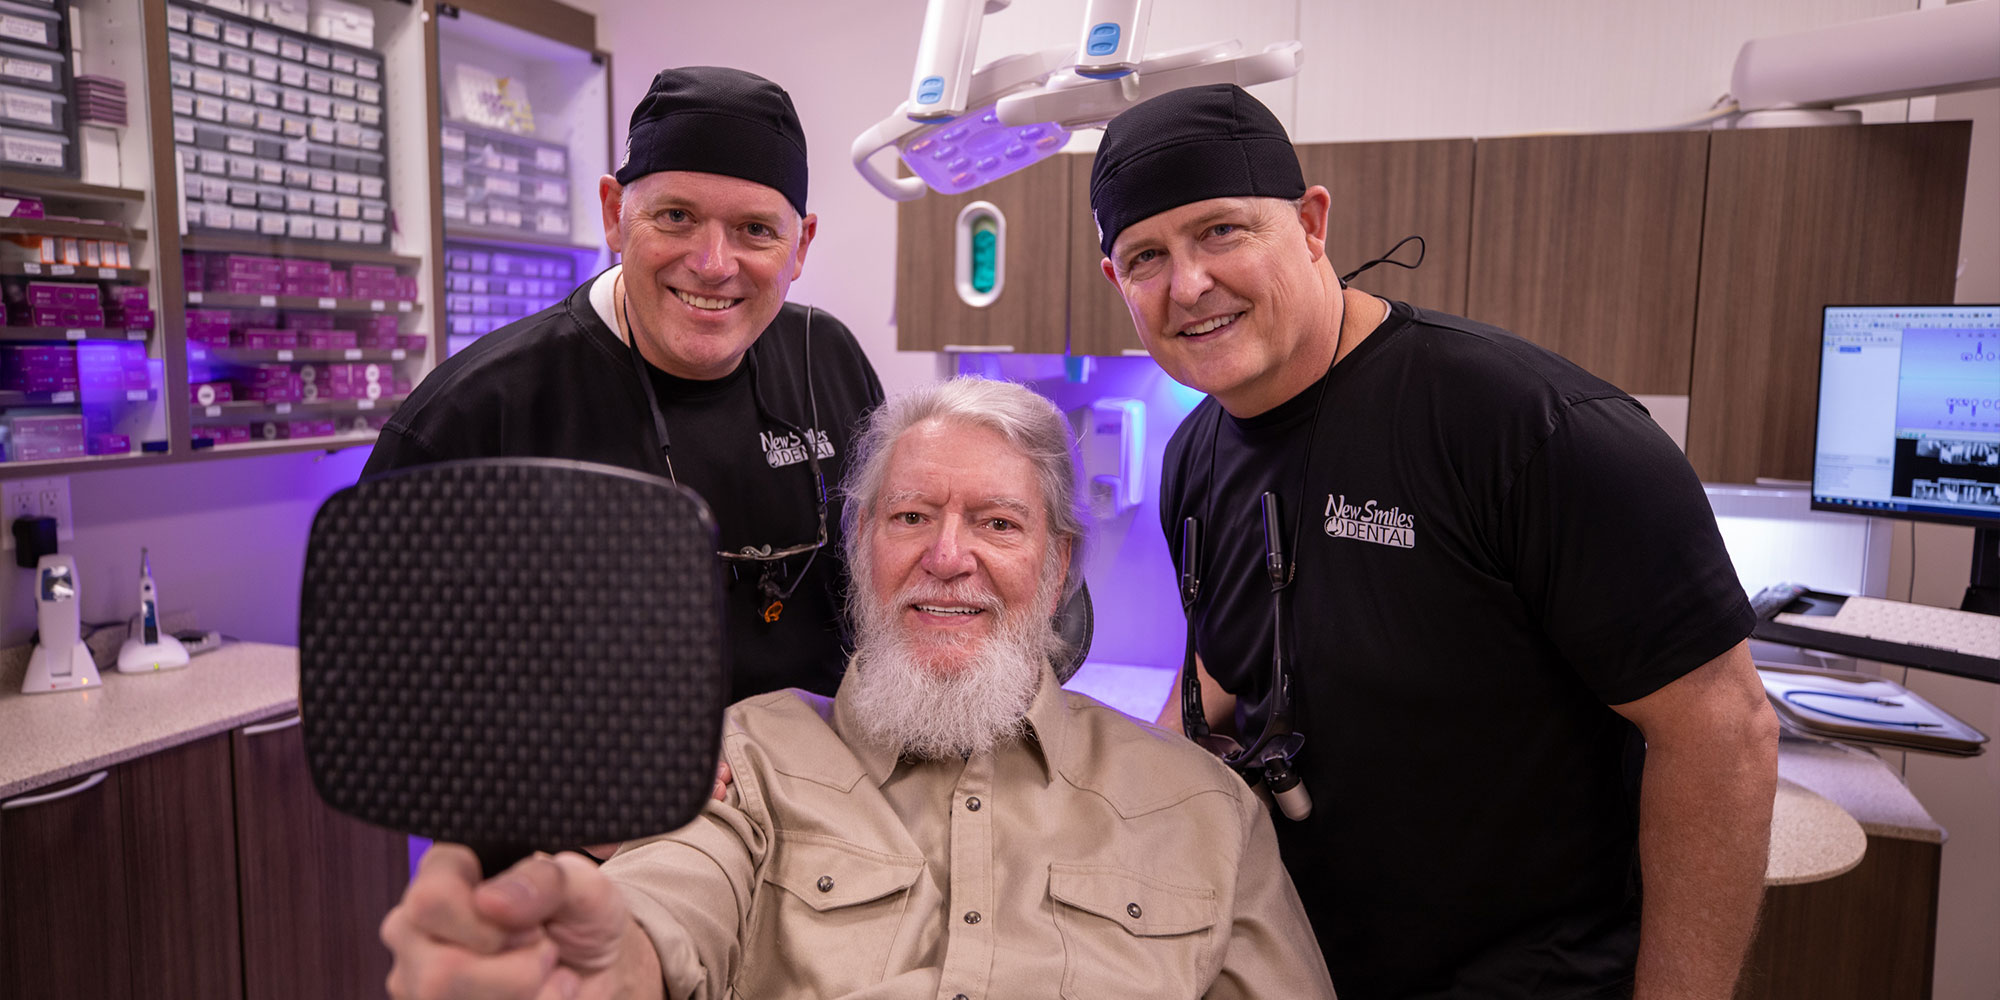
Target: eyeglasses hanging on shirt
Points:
(775, 582)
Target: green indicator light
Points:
(985, 252)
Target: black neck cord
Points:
(772, 592)
(1388, 258)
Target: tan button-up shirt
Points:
(1096, 858)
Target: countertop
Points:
(45, 738)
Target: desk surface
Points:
(45, 738)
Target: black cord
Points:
(1387, 258)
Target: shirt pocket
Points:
(1127, 934)
(824, 919)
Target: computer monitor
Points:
(1908, 423)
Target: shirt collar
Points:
(1048, 722)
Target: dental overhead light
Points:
(961, 128)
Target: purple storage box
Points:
(63, 294)
(26, 206)
(238, 265)
(108, 444)
(293, 268)
(266, 340)
(130, 297)
(327, 340)
(216, 392)
(312, 428)
(249, 285)
(273, 393)
(35, 438)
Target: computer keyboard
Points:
(1967, 632)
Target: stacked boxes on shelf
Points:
(37, 122)
(279, 133)
(101, 377)
(77, 304)
(497, 180)
(248, 353)
(486, 289)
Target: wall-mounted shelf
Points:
(248, 356)
(79, 230)
(68, 397)
(71, 333)
(226, 300)
(62, 187)
(74, 272)
(238, 410)
(512, 239)
(275, 247)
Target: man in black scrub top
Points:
(757, 398)
(1541, 762)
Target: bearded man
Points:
(951, 824)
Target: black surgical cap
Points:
(1186, 146)
(718, 121)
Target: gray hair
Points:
(1029, 422)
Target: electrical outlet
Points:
(54, 499)
(35, 498)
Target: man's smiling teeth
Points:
(703, 302)
(1217, 323)
(935, 610)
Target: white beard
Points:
(929, 697)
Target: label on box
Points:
(377, 305)
(207, 55)
(31, 268)
(398, 354)
(213, 411)
(351, 354)
(177, 18)
(206, 27)
(402, 307)
(62, 397)
(73, 334)
(267, 301)
(264, 41)
(242, 144)
(236, 34)
(59, 270)
(26, 29)
(236, 62)
(28, 69)
(282, 408)
(30, 108)
(284, 355)
(193, 298)
(107, 273)
(364, 404)
(316, 56)
(292, 50)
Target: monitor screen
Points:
(1909, 413)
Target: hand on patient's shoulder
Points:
(547, 927)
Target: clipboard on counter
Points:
(1864, 709)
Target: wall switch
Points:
(36, 498)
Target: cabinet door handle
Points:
(34, 800)
(271, 727)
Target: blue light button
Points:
(931, 90)
(1103, 39)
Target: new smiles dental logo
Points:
(1370, 522)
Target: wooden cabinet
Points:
(1099, 323)
(1029, 312)
(1798, 219)
(63, 931)
(1384, 191)
(1589, 245)
(180, 866)
(316, 884)
(1866, 935)
(206, 871)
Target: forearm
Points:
(1704, 837)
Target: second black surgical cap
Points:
(718, 121)
(1186, 146)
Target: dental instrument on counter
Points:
(961, 128)
(149, 648)
(60, 662)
